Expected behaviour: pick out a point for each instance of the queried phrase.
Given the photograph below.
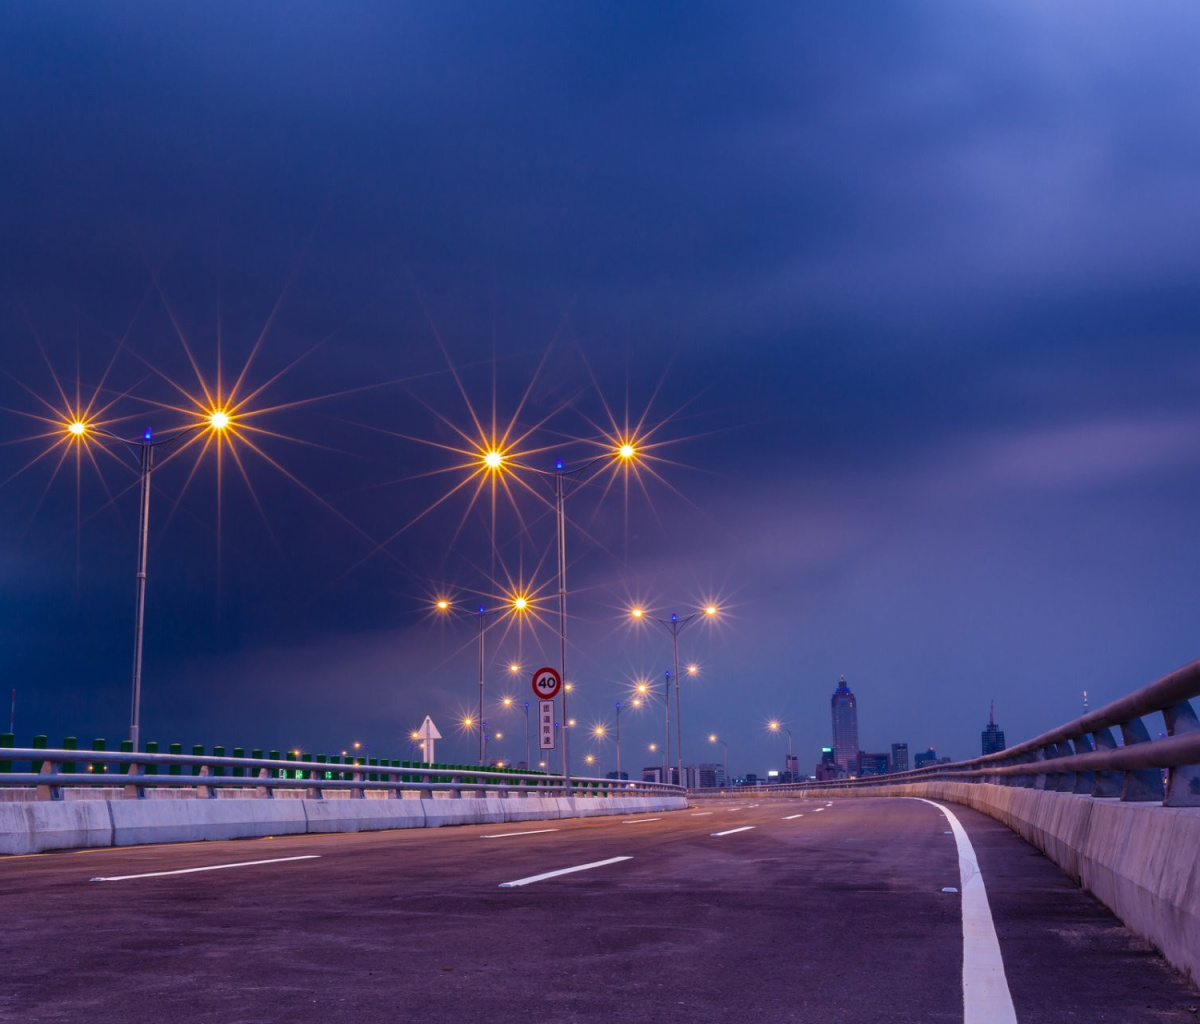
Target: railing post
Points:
(1183, 782)
(1143, 784)
(1066, 780)
(1085, 782)
(202, 791)
(1046, 780)
(49, 791)
(1108, 783)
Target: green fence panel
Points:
(239, 772)
(175, 769)
(7, 739)
(98, 767)
(217, 769)
(197, 751)
(152, 748)
(126, 748)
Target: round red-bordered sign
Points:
(546, 683)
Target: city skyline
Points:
(905, 299)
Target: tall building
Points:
(993, 736)
(711, 776)
(872, 764)
(845, 728)
(925, 758)
(899, 757)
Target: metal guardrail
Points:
(1083, 756)
(137, 773)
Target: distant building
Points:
(925, 758)
(845, 728)
(792, 768)
(655, 774)
(827, 768)
(872, 764)
(993, 735)
(614, 775)
(710, 776)
(899, 757)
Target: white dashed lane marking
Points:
(562, 871)
(210, 867)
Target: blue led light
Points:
(147, 433)
(559, 465)
(674, 617)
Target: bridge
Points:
(921, 897)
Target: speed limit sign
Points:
(546, 683)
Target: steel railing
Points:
(134, 774)
(1084, 756)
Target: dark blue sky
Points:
(913, 287)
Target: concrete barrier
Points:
(34, 826)
(1139, 859)
(363, 815)
(135, 822)
(37, 826)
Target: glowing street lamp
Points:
(673, 625)
(217, 421)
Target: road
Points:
(796, 911)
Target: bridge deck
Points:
(837, 914)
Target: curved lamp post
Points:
(774, 726)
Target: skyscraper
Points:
(845, 728)
(899, 757)
(993, 736)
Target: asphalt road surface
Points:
(796, 910)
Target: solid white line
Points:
(562, 871)
(530, 832)
(744, 828)
(789, 817)
(815, 809)
(700, 814)
(639, 821)
(986, 998)
(212, 867)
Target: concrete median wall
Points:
(38, 826)
(1141, 860)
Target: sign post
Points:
(427, 734)
(545, 725)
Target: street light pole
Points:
(560, 497)
(146, 462)
(666, 723)
(482, 740)
(618, 743)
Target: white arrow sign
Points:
(427, 734)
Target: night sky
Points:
(904, 298)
